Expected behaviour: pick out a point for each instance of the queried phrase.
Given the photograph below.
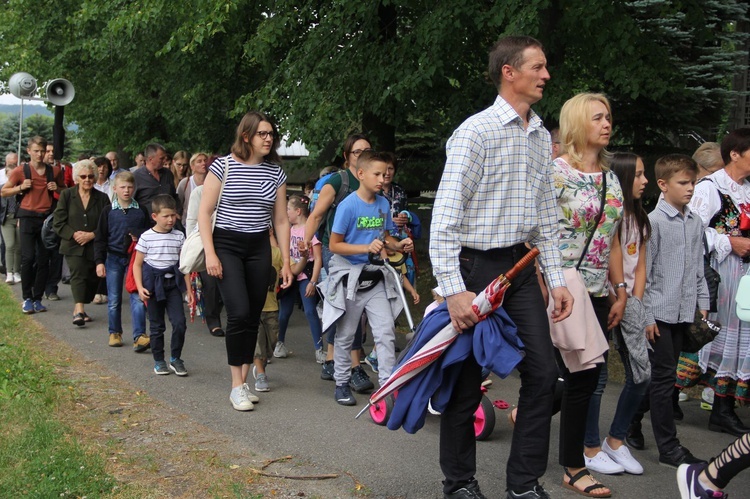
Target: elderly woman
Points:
(76, 218)
(723, 203)
(198, 165)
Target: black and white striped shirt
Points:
(249, 194)
(161, 249)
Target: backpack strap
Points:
(340, 195)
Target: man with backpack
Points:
(34, 185)
(336, 188)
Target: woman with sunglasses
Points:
(238, 250)
(75, 221)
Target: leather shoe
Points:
(468, 491)
(724, 419)
(218, 332)
(634, 438)
(537, 492)
(677, 456)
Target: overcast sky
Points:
(9, 99)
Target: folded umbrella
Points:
(435, 334)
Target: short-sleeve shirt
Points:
(36, 199)
(161, 249)
(249, 194)
(297, 235)
(335, 182)
(578, 200)
(361, 223)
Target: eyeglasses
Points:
(84, 177)
(264, 134)
(357, 152)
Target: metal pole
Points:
(20, 128)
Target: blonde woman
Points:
(198, 166)
(180, 166)
(585, 130)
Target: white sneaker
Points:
(17, 277)
(250, 395)
(320, 355)
(601, 463)
(280, 352)
(240, 401)
(9, 279)
(623, 457)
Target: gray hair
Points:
(85, 165)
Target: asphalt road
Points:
(300, 417)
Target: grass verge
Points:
(71, 428)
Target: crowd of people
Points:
(607, 270)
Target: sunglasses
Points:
(84, 177)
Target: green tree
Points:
(183, 72)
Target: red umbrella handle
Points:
(522, 264)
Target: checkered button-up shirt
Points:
(496, 192)
(674, 266)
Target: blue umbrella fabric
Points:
(494, 342)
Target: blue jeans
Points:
(116, 267)
(286, 307)
(627, 405)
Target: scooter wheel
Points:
(484, 419)
(380, 411)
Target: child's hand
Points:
(376, 246)
(144, 294)
(406, 245)
(190, 298)
(310, 290)
(415, 295)
(101, 270)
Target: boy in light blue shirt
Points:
(361, 226)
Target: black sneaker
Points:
(344, 395)
(327, 372)
(177, 366)
(537, 492)
(360, 381)
(160, 368)
(677, 456)
(469, 491)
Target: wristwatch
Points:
(621, 285)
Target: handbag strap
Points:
(598, 219)
(221, 191)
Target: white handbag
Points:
(192, 254)
(743, 298)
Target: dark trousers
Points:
(530, 446)
(212, 303)
(246, 263)
(83, 280)
(577, 390)
(173, 307)
(34, 258)
(667, 347)
(55, 271)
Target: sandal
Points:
(79, 320)
(588, 491)
(86, 317)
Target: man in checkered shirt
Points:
(495, 196)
